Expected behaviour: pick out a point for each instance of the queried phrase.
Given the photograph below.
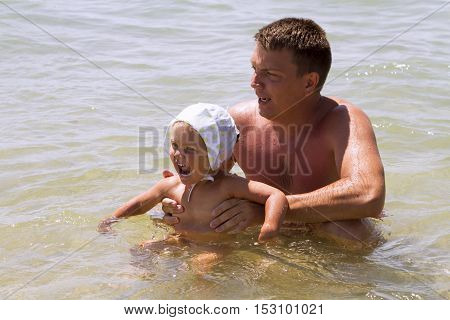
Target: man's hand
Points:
(236, 215)
(170, 206)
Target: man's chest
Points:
(295, 162)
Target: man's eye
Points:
(266, 73)
(273, 76)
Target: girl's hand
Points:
(105, 225)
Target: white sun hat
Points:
(216, 127)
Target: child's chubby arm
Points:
(274, 200)
(141, 203)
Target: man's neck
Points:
(305, 112)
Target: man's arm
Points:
(360, 191)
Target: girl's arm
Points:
(139, 204)
(274, 200)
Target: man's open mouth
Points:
(264, 100)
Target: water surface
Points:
(70, 136)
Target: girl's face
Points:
(188, 153)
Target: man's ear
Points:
(312, 80)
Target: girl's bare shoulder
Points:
(169, 185)
(227, 182)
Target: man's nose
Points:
(255, 82)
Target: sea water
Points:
(87, 88)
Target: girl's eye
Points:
(189, 150)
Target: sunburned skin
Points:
(321, 152)
(343, 177)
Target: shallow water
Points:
(70, 136)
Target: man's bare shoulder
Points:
(243, 112)
(346, 108)
(343, 114)
(345, 120)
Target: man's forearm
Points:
(344, 199)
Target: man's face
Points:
(188, 153)
(275, 81)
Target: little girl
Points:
(202, 138)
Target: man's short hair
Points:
(305, 38)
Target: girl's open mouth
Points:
(183, 171)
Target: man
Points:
(321, 152)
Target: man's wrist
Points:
(295, 209)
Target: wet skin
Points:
(320, 151)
